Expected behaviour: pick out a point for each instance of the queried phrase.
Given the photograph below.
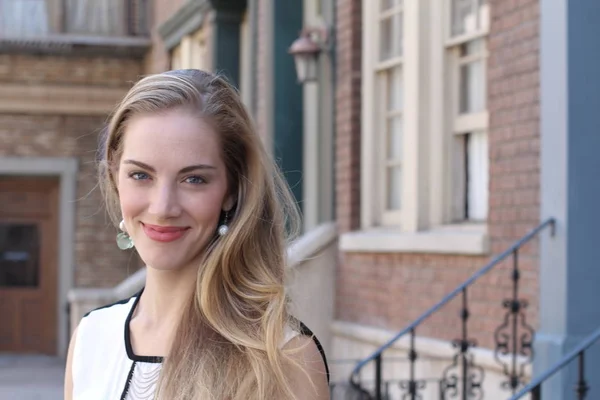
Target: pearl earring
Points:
(223, 229)
(124, 241)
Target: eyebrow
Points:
(182, 171)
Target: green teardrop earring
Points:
(124, 241)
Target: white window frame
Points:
(457, 125)
(410, 218)
(426, 217)
(382, 69)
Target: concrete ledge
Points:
(471, 239)
(311, 243)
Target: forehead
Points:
(174, 137)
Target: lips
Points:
(164, 234)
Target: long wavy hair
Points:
(228, 342)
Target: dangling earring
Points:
(223, 229)
(124, 241)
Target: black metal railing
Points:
(51, 18)
(581, 387)
(514, 339)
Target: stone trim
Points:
(59, 99)
(66, 169)
(186, 20)
(467, 239)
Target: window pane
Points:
(463, 17)
(385, 38)
(20, 18)
(95, 17)
(19, 255)
(397, 43)
(391, 33)
(469, 16)
(394, 142)
(395, 89)
(387, 4)
(394, 188)
(472, 88)
(477, 176)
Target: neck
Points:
(166, 295)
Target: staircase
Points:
(464, 377)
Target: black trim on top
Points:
(130, 354)
(304, 330)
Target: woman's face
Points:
(172, 186)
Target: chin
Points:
(162, 259)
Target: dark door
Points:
(28, 264)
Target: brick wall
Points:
(391, 290)
(104, 71)
(348, 109)
(98, 261)
(513, 95)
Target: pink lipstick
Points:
(164, 234)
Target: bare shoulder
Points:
(308, 376)
(69, 367)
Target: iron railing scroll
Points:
(463, 379)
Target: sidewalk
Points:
(24, 377)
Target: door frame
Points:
(65, 168)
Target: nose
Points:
(164, 202)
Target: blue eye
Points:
(138, 176)
(195, 180)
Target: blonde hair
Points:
(228, 343)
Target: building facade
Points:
(435, 134)
(61, 73)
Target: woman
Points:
(207, 212)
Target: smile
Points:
(163, 233)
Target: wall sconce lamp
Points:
(306, 50)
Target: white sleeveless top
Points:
(104, 365)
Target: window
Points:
(424, 133)
(466, 45)
(19, 18)
(424, 144)
(389, 76)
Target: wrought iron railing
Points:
(21, 19)
(581, 388)
(514, 341)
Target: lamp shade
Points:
(305, 52)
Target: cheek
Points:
(204, 209)
(131, 201)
